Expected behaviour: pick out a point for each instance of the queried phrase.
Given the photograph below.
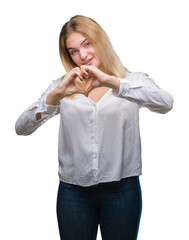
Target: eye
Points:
(88, 43)
(74, 52)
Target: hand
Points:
(66, 87)
(91, 74)
(94, 77)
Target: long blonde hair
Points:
(99, 39)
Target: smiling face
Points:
(81, 50)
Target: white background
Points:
(149, 36)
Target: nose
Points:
(83, 54)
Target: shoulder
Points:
(136, 75)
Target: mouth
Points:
(88, 61)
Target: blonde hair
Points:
(98, 38)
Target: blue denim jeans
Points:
(114, 206)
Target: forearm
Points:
(33, 117)
(140, 88)
(28, 121)
(53, 98)
(112, 82)
(37, 114)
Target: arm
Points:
(37, 114)
(49, 103)
(138, 87)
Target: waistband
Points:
(102, 185)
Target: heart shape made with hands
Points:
(80, 84)
(83, 84)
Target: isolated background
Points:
(149, 36)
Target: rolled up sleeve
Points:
(27, 123)
(138, 87)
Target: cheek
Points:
(97, 58)
(75, 59)
(96, 55)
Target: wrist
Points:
(53, 98)
(113, 82)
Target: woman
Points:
(99, 141)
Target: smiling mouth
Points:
(88, 61)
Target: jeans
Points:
(114, 206)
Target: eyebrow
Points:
(80, 44)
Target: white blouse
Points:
(99, 142)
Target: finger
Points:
(78, 74)
(87, 90)
(74, 73)
(77, 69)
(84, 72)
(91, 70)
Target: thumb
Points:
(87, 90)
(82, 91)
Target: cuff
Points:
(47, 111)
(43, 107)
(133, 80)
(123, 89)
